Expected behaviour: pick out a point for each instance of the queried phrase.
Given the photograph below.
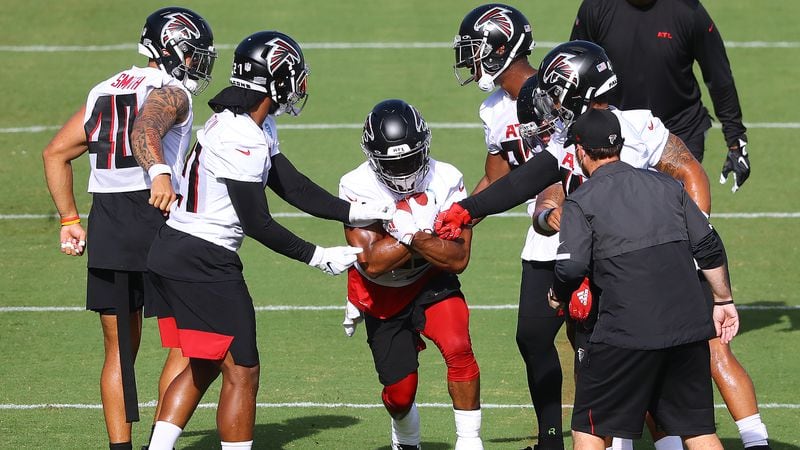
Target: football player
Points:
(572, 78)
(204, 305)
(179, 45)
(492, 48)
(405, 281)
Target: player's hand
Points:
(362, 211)
(334, 260)
(580, 302)
(73, 239)
(352, 317)
(738, 162)
(554, 301)
(161, 193)
(726, 322)
(402, 226)
(423, 207)
(449, 223)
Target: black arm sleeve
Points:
(302, 193)
(713, 61)
(250, 203)
(709, 252)
(524, 182)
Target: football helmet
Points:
(489, 39)
(397, 142)
(537, 114)
(573, 74)
(173, 35)
(273, 63)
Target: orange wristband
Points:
(70, 220)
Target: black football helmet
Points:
(397, 142)
(573, 74)
(537, 114)
(172, 35)
(484, 32)
(273, 63)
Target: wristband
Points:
(158, 169)
(72, 220)
(541, 219)
(729, 302)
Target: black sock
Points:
(121, 446)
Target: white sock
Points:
(752, 430)
(165, 435)
(246, 445)
(669, 443)
(621, 444)
(406, 430)
(468, 429)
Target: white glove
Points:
(423, 207)
(352, 317)
(363, 211)
(402, 226)
(334, 260)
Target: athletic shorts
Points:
(396, 342)
(207, 320)
(109, 290)
(615, 387)
(121, 228)
(537, 278)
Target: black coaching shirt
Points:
(632, 232)
(653, 50)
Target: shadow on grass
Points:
(773, 313)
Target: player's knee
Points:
(399, 397)
(461, 363)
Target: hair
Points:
(604, 152)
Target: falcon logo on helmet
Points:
(561, 69)
(280, 53)
(178, 27)
(499, 19)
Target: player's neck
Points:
(260, 112)
(515, 76)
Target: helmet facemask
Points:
(290, 95)
(196, 75)
(405, 171)
(548, 118)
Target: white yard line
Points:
(357, 126)
(272, 308)
(337, 46)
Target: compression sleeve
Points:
(250, 203)
(302, 193)
(523, 183)
(709, 51)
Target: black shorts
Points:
(207, 320)
(109, 290)
(537, 278)
(615, 387)
(394, 343)
(121, 228)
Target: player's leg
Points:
(108, 293)
(447, 325)
(703, 442)
(537, 326)
(236, 414)
(394, 345)
(586, 441)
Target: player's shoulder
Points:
(358, 179)
(495, 101)
(444, 169)
(637, 120)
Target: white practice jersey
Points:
(111, 108)
(229, 146)
(444, 184)
(501, 132)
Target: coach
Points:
(635, 234)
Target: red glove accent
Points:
(580, 302)
(448, 223)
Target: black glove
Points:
(737, 162)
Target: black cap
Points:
(596, 128)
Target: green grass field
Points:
(318, 387)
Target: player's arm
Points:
(574, 253)
(162, 109)
(68, 144)
(382, 253)
(302, 193)
(450, 256)
(495, 167)
(678, 162)
(547, 212)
